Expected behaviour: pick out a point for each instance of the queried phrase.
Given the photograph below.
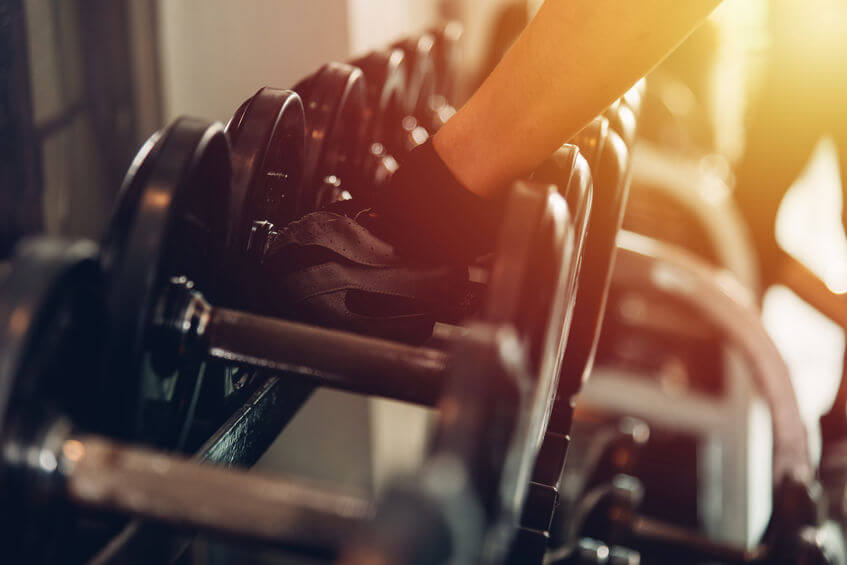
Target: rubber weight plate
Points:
(446, 57)
(385, 80)
(174, 207)
(569, 171)
(534, 268)
(267, 136)
(334, 102)
(52, 327)
(422, 79)
(608, 158)
(387, 74)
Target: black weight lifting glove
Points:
(427, 214)
(391, 267)
(327, 268)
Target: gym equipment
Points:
(385, 79)
(334, 103)
(52, 321)
(446, 56)
(421, 79)
(457, 508)
(172, 217)
(97, 473)
(608, 160)
(187, 330)
(429, 105)
(387, 75)
(833, 471)
(675, 275)
(607, 157)
(267, 140)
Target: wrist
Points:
(429, 214)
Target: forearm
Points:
(574, 59)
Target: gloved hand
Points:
(330, 269)
(426, 213)
(392, 266)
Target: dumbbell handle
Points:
(332, 358)
(106, 476)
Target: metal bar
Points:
(249, 432)
(108, 476)
(239, 442)
(327, 357)
(697, 546)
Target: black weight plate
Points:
(569, 171)
(531, 283)
(178, 195)
(267, 136)
(422, 79)
(385, 80)
(334, 102)
(608, 158)
(446, 57)
(52, 327)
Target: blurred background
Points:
(84, 83)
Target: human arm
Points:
(572, 60)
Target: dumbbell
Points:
(334, 103)
(602, 153)
(467, 497)
(171, 305)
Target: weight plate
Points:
(569, 171)
(334, 102)
(422, 78)
(531, 283)
(52, 326)
(267, 136)
(446, 57)
(175, 217)
(385, 79)
(608, 159)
